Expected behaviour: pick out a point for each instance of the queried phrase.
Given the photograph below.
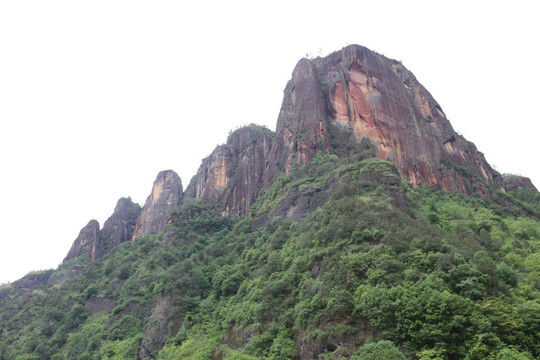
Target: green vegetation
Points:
(380, 270)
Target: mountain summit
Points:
(356, 94)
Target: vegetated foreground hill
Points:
(304, 244)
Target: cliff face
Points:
(302, 123)
(166, 194)
(354, 94)
(119, 227)
(233, 175)
(87, 242)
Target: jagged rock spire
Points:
(166, 194)
(119, 227)
(88, 242)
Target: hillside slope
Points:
(379, 264)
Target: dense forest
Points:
(380, 270)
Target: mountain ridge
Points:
(331, 105)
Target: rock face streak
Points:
(234, 174)
(356, 93)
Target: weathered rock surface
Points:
(302, 123)
(356, 93)
(88, 242)
(166, 194)
(119, 227)
(516, 182)
(233, 175)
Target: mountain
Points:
(364, 227)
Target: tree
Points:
(381, 350)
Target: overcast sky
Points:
(96, 97)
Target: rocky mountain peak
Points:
(119, 227)
(88, 242)
(166, 194)
(353, 94)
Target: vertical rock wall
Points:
(166, 195)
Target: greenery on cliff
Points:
(381, 270)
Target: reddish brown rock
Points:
(516, 182)
(302, 123)
(233, 175)
(166, 194)
(119, 227)
(356, 93)
(88, 242)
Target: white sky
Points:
(96, 97)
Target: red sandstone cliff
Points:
(329, 105)
(233, 175)
(356, 93)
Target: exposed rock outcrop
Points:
(166, 194)
(356, 93)
(233, 175)
(302, 123)
(516, 182)
(119, 227)
(88, 242)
